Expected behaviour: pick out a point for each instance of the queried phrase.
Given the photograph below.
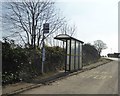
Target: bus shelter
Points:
(73, 52)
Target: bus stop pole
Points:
(43, 54)
(45, 31)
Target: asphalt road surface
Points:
(101, 80)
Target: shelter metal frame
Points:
(73, 52)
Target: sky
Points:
(94, 19)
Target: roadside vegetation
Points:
(90, 54)
(23, 64)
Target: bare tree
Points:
(67, 29)
(26, 20)
(99, 45)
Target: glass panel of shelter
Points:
(77, 55)
(72, 65)
(73, 56)
(80, 56)
(68, 55)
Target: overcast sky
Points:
(95, 20)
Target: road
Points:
(101, 80)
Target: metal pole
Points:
(45, 30)
(43, 55)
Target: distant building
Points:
(115, 55)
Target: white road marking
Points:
(97, 75)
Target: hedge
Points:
(23, 64)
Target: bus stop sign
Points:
(46, 28)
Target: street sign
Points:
(46, 28)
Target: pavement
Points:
(23, 86)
